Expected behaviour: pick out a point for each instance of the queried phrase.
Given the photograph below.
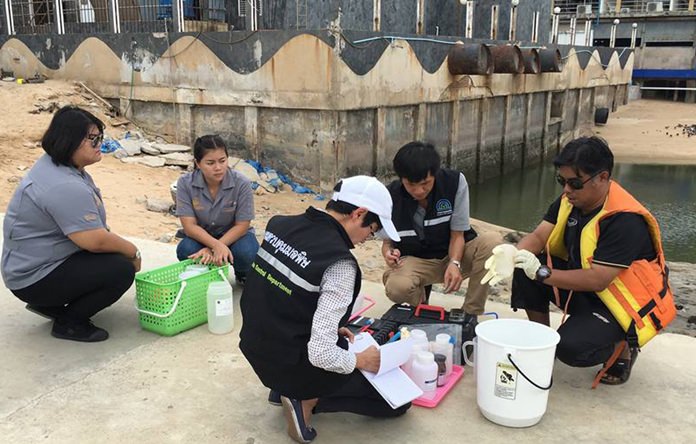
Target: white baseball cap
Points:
(370, 193)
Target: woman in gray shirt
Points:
(216, 207)
(58, 254)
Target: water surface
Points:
(520, 199)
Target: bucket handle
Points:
(176, 300)
(465, 344)
(509, 356)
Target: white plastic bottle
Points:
(424, 373)
(443, 346)
(419, 337)
(417, 348)
(220, 308)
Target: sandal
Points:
(619, 373)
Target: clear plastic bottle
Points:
(220, 308)
(424, 373)
(444, 346)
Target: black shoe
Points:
(51, 313)
(297, 429)
(274, 398)
(78, 331)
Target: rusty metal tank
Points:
(550, 59)
(532, 63)
(469, 58)
(507, 59)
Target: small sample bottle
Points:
(441, 369)
(444, 346)
(424, 370)
(408, 365)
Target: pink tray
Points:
(441, 392)
(368, 303)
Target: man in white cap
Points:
(297, 300)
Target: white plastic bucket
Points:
(513, 364)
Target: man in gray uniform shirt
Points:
(438, 243)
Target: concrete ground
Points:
(138, 387)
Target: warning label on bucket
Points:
(505, 381)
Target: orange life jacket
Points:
(639, 297)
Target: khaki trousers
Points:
(407, 282)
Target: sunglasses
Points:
(96, 139)
(575, 182)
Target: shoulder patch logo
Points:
(443, 206)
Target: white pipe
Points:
(116, 16)
(588, 33)
(9, 18)
(469, 19)
(573, 30)
(535, 28)
(513, 23)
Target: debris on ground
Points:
(687, 130)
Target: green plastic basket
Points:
(169, 305)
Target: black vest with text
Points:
(436, 225)
(280, 297)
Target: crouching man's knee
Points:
(400, 289)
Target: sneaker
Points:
(78, 331)
(297, 429)
(50, 313)
(274, 398)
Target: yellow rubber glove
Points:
(500, 265)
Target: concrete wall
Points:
(525, 16)
(296, 103)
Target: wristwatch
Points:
(457, 263)
(136, 255)
(543, 273)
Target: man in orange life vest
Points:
(604, 266)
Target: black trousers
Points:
(359, 397)
(85, 284)
(589, 333)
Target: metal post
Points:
(672, 5)
(420, 17)
(494, 22)
(588, 32)
(513, 20)
(573, 24)
(178, 15)
(115, 16)
(376, 14)
(58, 13)
(691, 6)
(612, 37)
(634, 33)
(554, 26)
(9, 18)
(469, 19)
(535, 27)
